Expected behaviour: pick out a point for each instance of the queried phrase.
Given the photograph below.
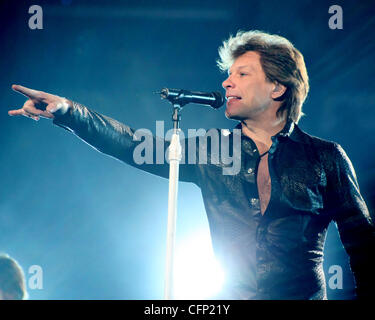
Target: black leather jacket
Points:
(277, 255)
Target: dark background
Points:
(97, 227)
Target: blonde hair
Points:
(281, 62)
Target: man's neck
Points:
(262, 131)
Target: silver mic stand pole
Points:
(174, 156)
(178, 98)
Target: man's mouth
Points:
(229, 98)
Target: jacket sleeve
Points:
(138, 148)
(354, 223)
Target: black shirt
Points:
(277, 255)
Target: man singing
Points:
(269, 221)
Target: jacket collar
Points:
(290, 131)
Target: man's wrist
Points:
(62, 107)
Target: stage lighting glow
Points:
(197, 273)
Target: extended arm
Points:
(101, 132)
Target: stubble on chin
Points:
(233, 116)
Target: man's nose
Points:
(227, 83)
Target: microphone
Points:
(182, 97)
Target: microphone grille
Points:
(219, 100)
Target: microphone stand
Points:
(178, 98)
(174, 157)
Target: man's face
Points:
(248, 92)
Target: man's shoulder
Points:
(302, 136)
(330, 153)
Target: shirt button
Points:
(254, 202)
(250, 171)
(255, 150)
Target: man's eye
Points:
(243, 74)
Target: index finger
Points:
(30, 93)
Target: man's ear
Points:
(278, 91)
